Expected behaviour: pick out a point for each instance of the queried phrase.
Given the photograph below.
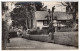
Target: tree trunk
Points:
(4, 34)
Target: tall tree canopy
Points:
(24, 11)
(18, 16)
(38, 5)
(71, 8)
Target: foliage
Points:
(71, 8)
(24, 12)
(38, 5)
(35, 31)
(18, 16)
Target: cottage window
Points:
(45, 23)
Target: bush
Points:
(45, 30)
(65, 30)
(31, 31)
(34, 31)
(44, 38)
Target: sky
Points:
(50, 4)
(56, 4)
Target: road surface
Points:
(25, 44)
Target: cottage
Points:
(63, 19)
(41, 21)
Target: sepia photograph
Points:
(39, 25)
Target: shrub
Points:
(34, 31)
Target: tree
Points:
(71, 8)
(5, 29)
(18, 14)
(38, 5)
(25, 13)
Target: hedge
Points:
(66, 38)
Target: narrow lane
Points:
(23, 44)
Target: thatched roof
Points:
(40, 15)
